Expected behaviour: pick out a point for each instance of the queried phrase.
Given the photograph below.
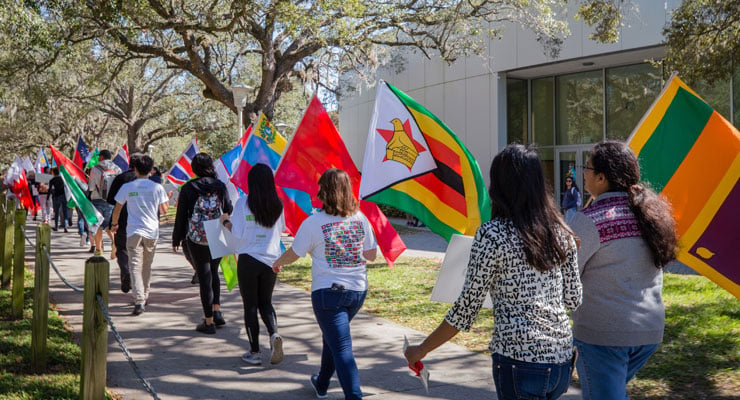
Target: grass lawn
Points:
(699, 357)
(17, 380)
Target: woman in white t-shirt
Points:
(258, 222)
(340, 240)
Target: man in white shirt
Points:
(143, 198)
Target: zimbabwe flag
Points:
(415, 163)
(691, 154)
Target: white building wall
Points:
(470, 95)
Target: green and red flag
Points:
(690, 154)
(75, 195)
(414, 162)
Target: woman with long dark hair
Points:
(258, 222)
(525, 257)
(202, 199)
(340, 241)
(627, 235)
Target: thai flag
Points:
(182, 172)
(82, 153)
(121, 158)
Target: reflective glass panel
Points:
(516, 111)
(580, 108)
(630, 90)
(542, 111)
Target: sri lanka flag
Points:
(415, 163)
(315, 147)
(82, 153)
(121, 158)
(71, 175)
(689, 153)
(182, 172)
(265, 145)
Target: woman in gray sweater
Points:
(626, 237)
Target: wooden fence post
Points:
(40, 298)
(19, 263)
(94, 330)
(8, 244)
(3, 200)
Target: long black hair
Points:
(518, 193)
(653, 212)
(263, 199)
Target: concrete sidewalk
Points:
(181, 363)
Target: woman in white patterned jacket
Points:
(525, 257)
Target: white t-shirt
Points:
(142, 198)
(254, 239)
(336, 245)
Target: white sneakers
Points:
(276, 352)
(276, 349)
(252, 358)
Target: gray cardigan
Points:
(622, 302)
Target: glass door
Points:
(569, 163)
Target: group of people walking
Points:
(602, 268)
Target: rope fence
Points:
(148, 386)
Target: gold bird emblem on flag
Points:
(401, 146)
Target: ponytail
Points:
(654, 218)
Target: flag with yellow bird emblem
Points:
(415, 163)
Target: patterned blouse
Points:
(529, 306)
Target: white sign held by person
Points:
(220, 241)
(451, 276)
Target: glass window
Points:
(716, 95)
(547, 158)
(542, 111)
(516, 111)
(580, 108)
(630, 91)
(736, 95)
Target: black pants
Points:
(121, 253)
(207, 269)
(256, 283)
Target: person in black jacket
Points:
(201, 199)
(58, 199)
(119, 238)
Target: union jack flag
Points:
(182, 172)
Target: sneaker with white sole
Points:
(252, 358)
(314, 382)
(276, 349)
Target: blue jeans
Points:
(605, 370)
(516, 379)
(60, 210)
(334, 309)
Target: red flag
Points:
(73, 170)
(16, 180)
(316, 146)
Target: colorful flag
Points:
(415, 163)
(41, 161)
(182, 172)
(689, 153)
(18, 183)
(121, 158)
(61, 161)
(315, 147)
(82, 153)
(227, 164)
(265, 145)
(94, 158)
(74, 192)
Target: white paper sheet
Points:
(451, 276)
(220, 241)
(424, 373)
